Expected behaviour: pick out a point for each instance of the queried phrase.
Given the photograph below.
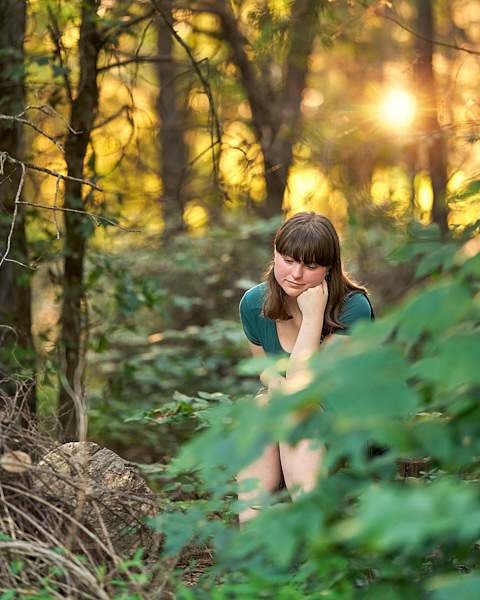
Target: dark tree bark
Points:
(173, 149)
(15, 294)
(275, 115)
(83, 111)
(429, 125)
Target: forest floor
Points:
(194, 562)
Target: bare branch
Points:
(107, 120)
(215, 131)
(136, 60)
(56, 38)
(49, 111)
(15, 212)
(129, 23)
(78, 396)
(5, 157)
(33, 126)
(95, 217)
(425, 38)
(55, 206)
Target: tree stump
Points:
(413, 467)
(102, 491)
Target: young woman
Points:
(307, 297)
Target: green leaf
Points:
(471, 189)
(395, 518)
(455, 363)
(59, 71)
(446, 587)
(434, 310)
(469, 257)
(412, 250)
(370, 384)
(16, 566)
(437, 259)
(398, 590)
(182, 527)
(434, 439)
(40, 60)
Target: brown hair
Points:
(311, 238)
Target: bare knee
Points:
(264, 475)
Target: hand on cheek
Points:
(312, 302)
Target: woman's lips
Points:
(295, 284)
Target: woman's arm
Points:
(269, 379)
(312, 303)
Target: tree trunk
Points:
(83, 111)
(173, 148)
(429, 125)
(17, 363)
(278, 153)
(276, 115)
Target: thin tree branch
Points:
(425, 38)
(55, 206)
(215, 130)
(56, 37)
(112, 117)
(5, 157)
(49, 111)
(95, 217)
(15, 212)
(124, 26)
(136, 60)
(33, 126)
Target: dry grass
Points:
(45, 552)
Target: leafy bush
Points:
(409, 383)
(165, 322)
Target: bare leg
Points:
(267, 471)
(301, 466)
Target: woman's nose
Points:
(297, 270)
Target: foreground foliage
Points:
(409, 382)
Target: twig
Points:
(9, 329)
(55, 207)
(66, 564)
(77, 396)
(425, 38)
(6, 157)
(96, 218)
(26, 517)
(136, 60)
(33, 126)
(49, 110)
(15, 211)
(206, 86)
(38, 499)
(56, 37)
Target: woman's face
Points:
(294, 277)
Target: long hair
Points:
(311, 238)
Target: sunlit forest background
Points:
(149, 150)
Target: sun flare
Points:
(399, 108)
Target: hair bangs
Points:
(305, 245)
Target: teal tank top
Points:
(263, 332)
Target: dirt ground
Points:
(194, 562)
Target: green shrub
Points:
(164, 322)
(409, 383)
